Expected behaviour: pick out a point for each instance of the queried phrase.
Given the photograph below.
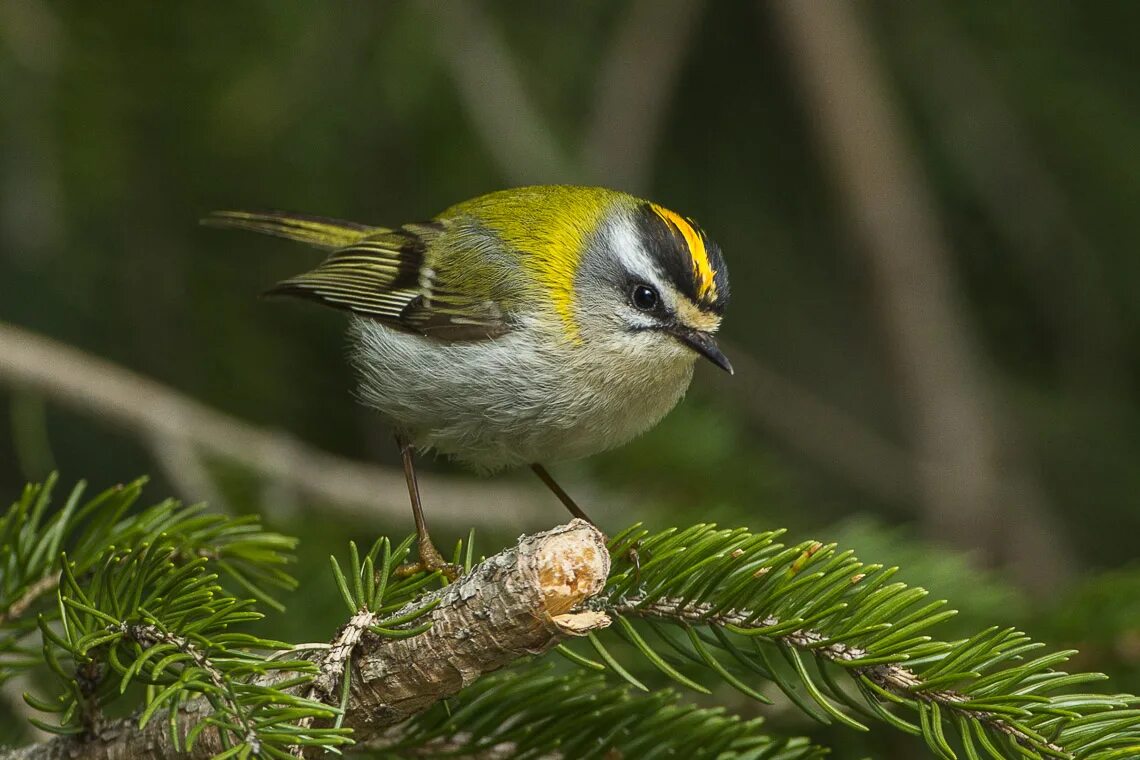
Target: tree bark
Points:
(521, 601)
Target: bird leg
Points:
(430, 558)
(577, 511)
(563, 497)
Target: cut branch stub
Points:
(521, 601)
(516, 603)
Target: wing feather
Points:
(318, 231)
(377, 273)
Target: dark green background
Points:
(122, 123)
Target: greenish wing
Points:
(398, 277)
(387, 277)
(317, 231)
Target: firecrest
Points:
(521, 327)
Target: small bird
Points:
(522, 327)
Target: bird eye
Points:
(644, 297)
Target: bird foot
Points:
(634, 556)
(430, 560)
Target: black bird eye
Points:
(644, 297)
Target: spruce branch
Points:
(845, 643)
(140, 600)
(531, 711)
(150, 611)
(149, 636)
(520, 602)
(148, 615)
(33, 540)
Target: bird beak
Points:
(703, 343)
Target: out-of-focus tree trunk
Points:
(968, 498)
(635, 86)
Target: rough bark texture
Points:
(518, 602)
(513, 604)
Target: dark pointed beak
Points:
(703, 343)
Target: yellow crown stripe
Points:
(697, 251)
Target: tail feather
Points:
(317, 231)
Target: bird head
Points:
(653, 281)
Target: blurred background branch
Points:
(942, 382)
(634, 89)
(1022, 197)
(493, 93)
(182, 431)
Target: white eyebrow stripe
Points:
(625, 241)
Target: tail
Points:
(312, 230)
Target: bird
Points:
(522, 327)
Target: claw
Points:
(430, 560)
(449, 570)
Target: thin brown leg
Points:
(563, 497)
(430, 558)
